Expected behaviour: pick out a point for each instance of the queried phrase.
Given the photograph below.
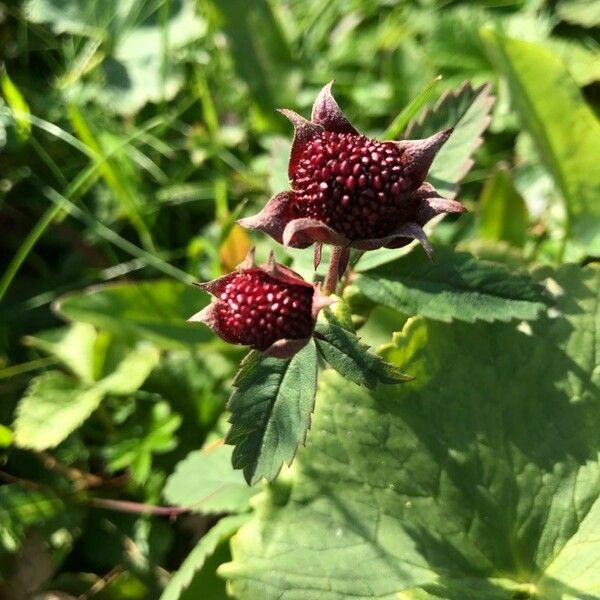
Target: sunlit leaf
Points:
(206, 482)
(55, 404)
(467, 109)
(564, 128)
(456, 286)
(270, 411)
(478, 480)
(194, 562)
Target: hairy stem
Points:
(337, 265)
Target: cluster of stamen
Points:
(256, 309)
(352, 183)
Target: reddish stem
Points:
(137, 507)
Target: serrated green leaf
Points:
(564, 128)
(131, 372)
(194, 562)
(270, 412)
(402, 119)
(52, 408)
(55, 404)
(467, 109)
(149, 310)
(456, 285)
(206, 482)
(479, 480)
(343, 350)
(502, 211)
(73, 346)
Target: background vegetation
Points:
(131, 133)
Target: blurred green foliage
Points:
(131, 133)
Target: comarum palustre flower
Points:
(349, 190)
(268, 307)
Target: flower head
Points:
(351, 190)
(268, 307)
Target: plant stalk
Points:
(333, 271)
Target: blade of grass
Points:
(398, 125)
(108, 234)
(113, 178)
(17, 103)
(27, 367)
(76, 189)
(26, 247)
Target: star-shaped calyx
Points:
(268, 307)
(349, 190)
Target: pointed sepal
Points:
(304, 132)
(327, 113)
(417, 155)
(274, 218)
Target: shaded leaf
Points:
(564, 128)
(270, 411)
(455, 286)
(206, 482)
(134, 443)
(467, 109)
(486, 464)
(261, 53)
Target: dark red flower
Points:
(270, 308)
(351, 190)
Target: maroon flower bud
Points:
(351, 190)
(270, 308)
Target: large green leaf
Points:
(206, 482)
(479, 480)
(564, 129)
(270, 411)
(184, 578)
(55, 404)
(153, 310)
(455, 286)
(467, 109)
